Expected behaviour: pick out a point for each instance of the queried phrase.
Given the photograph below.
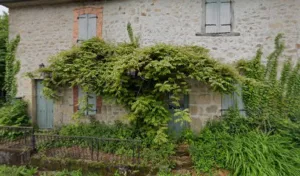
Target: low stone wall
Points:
(14, 156)
(58, 164)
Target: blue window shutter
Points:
(81, 95)
(239, 100)
(83, 27)
(233, 100)
(218, 16)
(92, 26)
(211, 24)
(92, 101)
(225, 16)
(227, 102)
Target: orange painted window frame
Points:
(98, 11)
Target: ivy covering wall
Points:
(12, 67)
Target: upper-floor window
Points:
(87, 27)
(218, 16)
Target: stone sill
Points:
(218, 34)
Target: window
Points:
(91, 100)
(218, 16)
(233, 100)
(87, 27)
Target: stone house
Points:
(232, 30)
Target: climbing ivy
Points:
(12, 67)
(139, 78)
(276, 92)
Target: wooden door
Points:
(176, 128)
(44, 108)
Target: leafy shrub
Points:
(17, 171)
(158, 157)
(98, 129)
(14, 114)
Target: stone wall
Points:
(47, 29)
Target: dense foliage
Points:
(140, 79)
(152, 155)
(14, 114)
(3, 41)
(12, 67)
(24, 171)
(267, 141)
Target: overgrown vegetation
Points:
(140, 79)
(3, 41)
(24, 171)
(14, 114)
(266, 141)
(152, 156)
(12, 67)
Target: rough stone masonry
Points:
(47, 29)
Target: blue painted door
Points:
(44, 108)
(176, 128)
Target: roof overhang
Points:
(19, 3)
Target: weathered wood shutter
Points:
(83, 27)
(225, 16)
(91, 101)
(227, 102)
(218, 16)
(212, 16)
(92, 26)
(233, 100)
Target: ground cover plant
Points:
(29, 171)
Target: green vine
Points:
(12, 67)
(140, 79)
(276, 94)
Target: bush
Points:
(17, 171)
(260, 154)
(14, 114)
(240, 145)
(98, 129)
(155, 156)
